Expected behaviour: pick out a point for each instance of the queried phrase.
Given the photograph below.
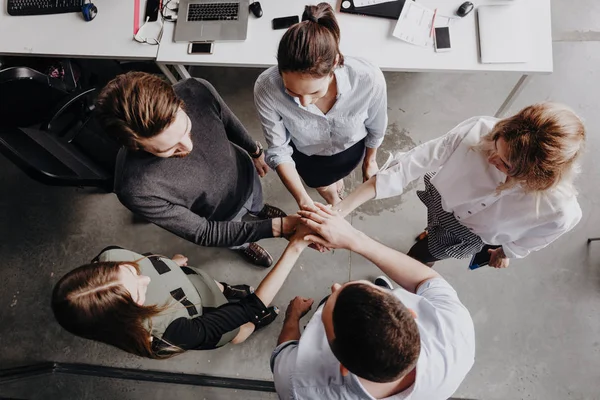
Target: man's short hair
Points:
(135, 106)
(376, 336)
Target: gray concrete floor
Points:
(538, 332)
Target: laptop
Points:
(211, 20)
(390, 10)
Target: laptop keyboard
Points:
(213, 12)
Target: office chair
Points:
(48, 129)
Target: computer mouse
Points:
(256, 9)
(464, 9)
(89, 11)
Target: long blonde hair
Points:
(544, 142)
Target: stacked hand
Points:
(329, 228)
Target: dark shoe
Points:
(266, 317)
(270, 212)
(236, 292)
(256, 255)
(384, 282)
(422, 235)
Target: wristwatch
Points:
(258, 152)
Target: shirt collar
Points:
(342, 81)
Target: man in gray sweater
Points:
(188, 164)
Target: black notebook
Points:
(389, 10)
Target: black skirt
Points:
(319, 171)
(447, 237)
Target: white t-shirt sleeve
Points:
(450, 342)
(283, 362)
(445, 300)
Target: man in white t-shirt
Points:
(416, 342)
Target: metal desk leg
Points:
(165, 70)
(510, 99)
(182, 70)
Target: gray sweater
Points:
(195, 196)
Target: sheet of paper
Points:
(414, 24)
(364, 3)
(442, 21)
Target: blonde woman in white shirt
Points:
(502, 182)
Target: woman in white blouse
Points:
(502, 182)
(322, 114)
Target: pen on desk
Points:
(136, 16)
(432, 22)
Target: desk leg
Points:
(510, 99)
(165, 70)
(182, 70)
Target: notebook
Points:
(503, 33)
(389, 9)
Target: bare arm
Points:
(270, 285)
(402, 269)
(290, 178)
(360, 195)
(297, 308)
(335, 232)
(370, 167)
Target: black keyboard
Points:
(39, 7)
(213, 12)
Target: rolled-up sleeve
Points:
(377, 118)
(278, 138)
(283, 362)
(404, 168)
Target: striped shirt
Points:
(360, 112)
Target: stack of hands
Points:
(321, 227)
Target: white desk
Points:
(371, 38)
(109, 35)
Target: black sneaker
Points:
(257, 255)
(270, 212)
(384, 282)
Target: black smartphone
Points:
(285, 22)
(152, 9)
(442, 39)
(200, 48)
(482, 258)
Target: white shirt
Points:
(467, 185)
(359, 112)
(307, 369)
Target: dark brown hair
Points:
(311, 46)
(137, 105)
(376, 336)
(544, 141)
(91, 302)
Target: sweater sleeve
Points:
(236, 133)
(205, 331)
(186, 224)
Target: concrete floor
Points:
(538, 332)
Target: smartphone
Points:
(442, 39)
(482, 258)
(200, 48)
(285, 22)
(152, 9)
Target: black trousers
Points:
(420, 252)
